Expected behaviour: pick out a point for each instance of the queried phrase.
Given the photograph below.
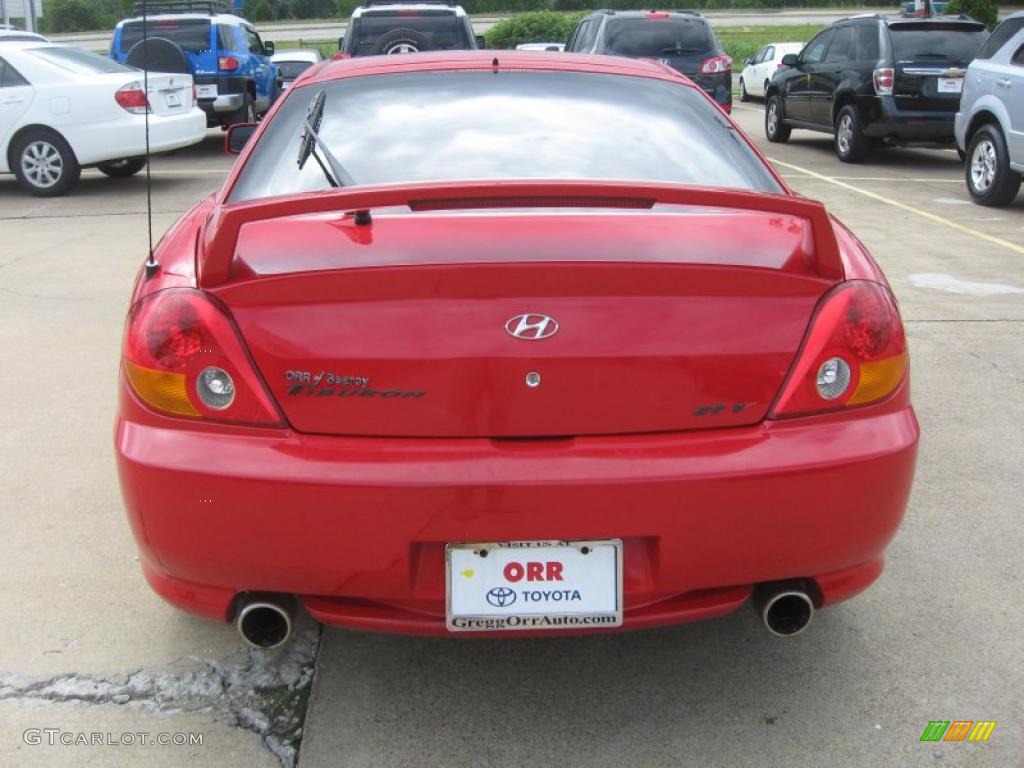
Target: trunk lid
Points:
(666, 320)
(170, 94)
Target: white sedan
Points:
(293, 62)
(759, 70)
(63, 108)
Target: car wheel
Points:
(990, 180)
(403, 40)
(851, 143)
(45, 164)
(245, 113)
(744, 96)
(122, 169)
(775, 130)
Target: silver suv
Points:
(990, 124)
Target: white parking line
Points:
(903, 206)
(877, 178)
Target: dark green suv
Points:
(875, 78)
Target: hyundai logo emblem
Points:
(501, 597)
(532, 327)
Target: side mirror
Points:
(238, 136)
(790, 60)
(269, 48)
(481, 42)
(748, 62)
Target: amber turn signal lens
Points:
(879, 378)
(160, 389)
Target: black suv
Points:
(681, 39)
(875, 78)
(405, 26)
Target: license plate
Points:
(502, 586)
(951, 84)
(206, 91)
(173, 98)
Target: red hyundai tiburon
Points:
(509, 343)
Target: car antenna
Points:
(152, 265)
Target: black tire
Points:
(775, 130)
(123, 168)
(245, 113)
(158, 55)
(851, 143)
(44, 163)
(403, 40)
(744, 96)
(990, 180)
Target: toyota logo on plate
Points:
(501, 597)
(531, 327)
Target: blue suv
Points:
(230, 65)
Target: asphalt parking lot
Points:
(85, 647)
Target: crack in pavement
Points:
(1009, 375)
(262, 692)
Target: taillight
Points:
(855, 353)
(228, 63)
(716, 64)
(132, 98)
(885, 78)
(183, 356)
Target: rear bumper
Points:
(126, 137)
(357, 527)
(226, 102)
(886, 120)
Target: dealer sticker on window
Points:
(534, 585)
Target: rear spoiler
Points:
(220, 235)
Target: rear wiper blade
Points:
(310, 140)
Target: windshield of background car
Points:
(187, 34)
(78, 61)
(934, 41)
(441, 29)
(428, 126)
(656, 37)
(292, 69)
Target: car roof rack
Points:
(182, 6)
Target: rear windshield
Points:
(655, 37)
(292, 69)
(935, 42)
(431, 30)
(79, 61)
(429, 126)
(188, 34)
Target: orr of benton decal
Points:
(327, 384)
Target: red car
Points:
(509, 343)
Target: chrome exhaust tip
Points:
(785, 612)
(265, 623)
